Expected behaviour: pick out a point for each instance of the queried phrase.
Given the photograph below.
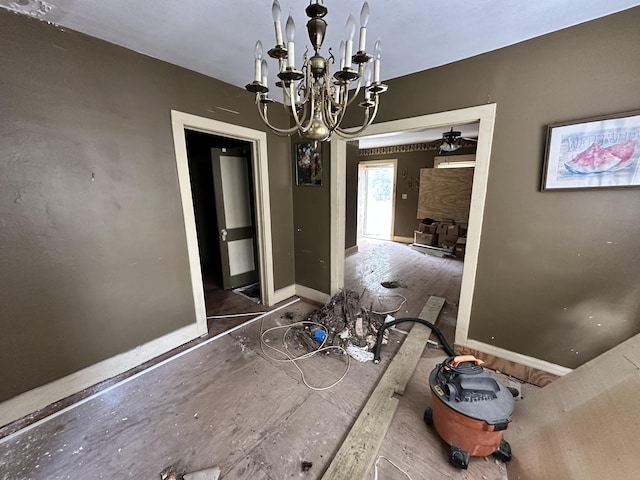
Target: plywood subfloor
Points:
(225, 404)
(584, 425)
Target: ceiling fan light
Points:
(449, 147)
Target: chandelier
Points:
(316, 101)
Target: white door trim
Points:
(485, 115)
(181, 121)
(338, 212)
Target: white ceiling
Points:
(217, 38)
(422, 135)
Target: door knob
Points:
(223, 234)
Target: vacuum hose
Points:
(443, 341)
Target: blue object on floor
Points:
(319, 335)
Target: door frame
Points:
(258, 140)
(393, 162)
(486, 116)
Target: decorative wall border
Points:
(413, 147)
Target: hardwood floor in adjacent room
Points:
(418, 277)
(227, 309)
(225, 403)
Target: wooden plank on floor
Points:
(359, 450)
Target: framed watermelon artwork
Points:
(601, 152)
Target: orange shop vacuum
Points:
(470, 409)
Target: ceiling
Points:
(422, 135)
(217, 38)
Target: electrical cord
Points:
(375, 468)
(294, 359)
(404, 300)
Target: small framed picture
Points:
(594, 153)
(308, 159)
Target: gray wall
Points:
(312, 217)
(93, 255)
(351, 203)
(559, 272)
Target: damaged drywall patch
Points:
(33, 8)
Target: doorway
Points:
(220, 175)
(376, 199)
(258, 184)
(485, 115)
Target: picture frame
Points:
(308, 163)
(594, 153)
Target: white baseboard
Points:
(351, 250)
(519, 358)
(284, 293)
(403, 239)
(40, 397)
(311, 294)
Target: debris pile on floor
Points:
(347, 323)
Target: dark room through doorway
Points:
(221, 178)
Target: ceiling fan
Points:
(451, 140)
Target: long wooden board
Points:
(359, 450)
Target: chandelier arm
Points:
(335, 122)
(286, 95)
(305, 110)
(355, 94)
(262, 109)
(353, 97)
(368, 121)
(294, 111)
(341, 105)
(327, 116)
(307, 83)
(328, 84)
(331, 119)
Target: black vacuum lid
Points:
(473, 392)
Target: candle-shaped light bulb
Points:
(350, 31)
(377, 51)
(290, 30)
(275, 13)
(364, 19)
(342, 63)
(367, 82)
(265, 72)
(258, 62)
(364, 14)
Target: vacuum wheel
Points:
(459, 458)
(504, 451)
(428, 416)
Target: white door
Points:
(235, 217)
(376, 199)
